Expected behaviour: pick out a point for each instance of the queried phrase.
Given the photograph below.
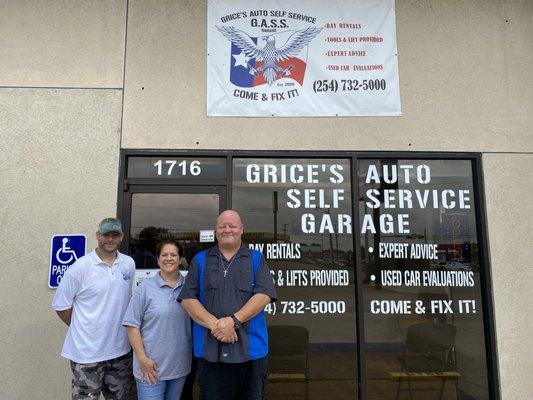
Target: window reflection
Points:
(298, 213)
(179, 216)
(421, 288)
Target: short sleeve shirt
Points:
(164, 325)
(98, 295)
(225, 295)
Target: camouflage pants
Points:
(113, 378)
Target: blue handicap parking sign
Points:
(64, 251)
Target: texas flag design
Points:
(255, 61)
(242, 67)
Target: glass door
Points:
(183, 213)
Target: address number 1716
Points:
(183, 168)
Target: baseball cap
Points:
(110, 225)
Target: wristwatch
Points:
(236, 323)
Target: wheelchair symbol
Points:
(65, 254)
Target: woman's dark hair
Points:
(162, 244)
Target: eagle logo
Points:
(126, 275)
(269, 53)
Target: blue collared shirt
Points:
(224, 296)
(165, 327)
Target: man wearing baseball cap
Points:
(91, 299)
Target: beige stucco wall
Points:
(464, 82)
(58, 174)
(509, 190)
(59, 166)
(466, 85)
(62, 43)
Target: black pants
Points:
(225, 381)
(186, 393)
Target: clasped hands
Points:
(223, 330)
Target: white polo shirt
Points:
(98, 295)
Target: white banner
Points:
(302, 58)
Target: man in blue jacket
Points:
(225, 293)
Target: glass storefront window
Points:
(423, 314)
(378, 264)
(298, 213)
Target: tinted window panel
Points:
(298, 213)
(186, 168)
(423, 312)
